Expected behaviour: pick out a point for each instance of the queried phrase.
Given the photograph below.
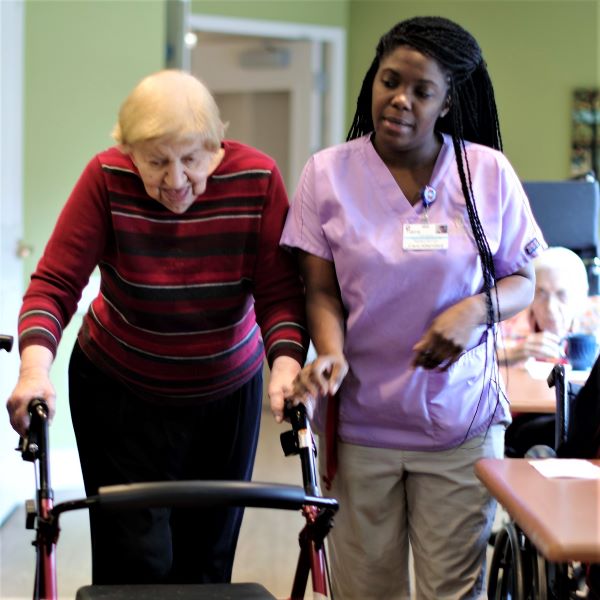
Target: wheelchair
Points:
(517, 571)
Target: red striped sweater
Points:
(182, 296)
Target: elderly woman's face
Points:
(175, 171)
(556, 302)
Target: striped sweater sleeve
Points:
(278, 292)
(69, 257)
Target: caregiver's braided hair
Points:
(472, 116)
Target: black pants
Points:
(122, 439)
(528, 430)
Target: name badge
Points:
(425, 236)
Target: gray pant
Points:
(432, 501)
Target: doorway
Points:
(279, 85)
(261, 86)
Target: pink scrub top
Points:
(349, 209)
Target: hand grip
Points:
(6, 342)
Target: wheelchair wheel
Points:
(507, 578)
(562, 583)
(539, 571)
(519, 572)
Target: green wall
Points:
(332, 13)
(81, 59)
(537, 52)
(83, 56)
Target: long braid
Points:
(363, 121)
(464, 172)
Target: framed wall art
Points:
(585, 151)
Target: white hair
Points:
(557, 258)
(169, 103)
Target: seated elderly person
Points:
(560, 306)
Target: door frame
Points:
(16, 477)
(332, 39)
(220, 64)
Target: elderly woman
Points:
(166, 375)
(539, 332)
(559, 303)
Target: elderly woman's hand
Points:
(283, 373)
(543, 345)
(34, 382)
(317, 379)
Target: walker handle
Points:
(6, 342)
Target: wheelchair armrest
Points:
(558, 380)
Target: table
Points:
(530, 393)
(560, 516)
(527, 394)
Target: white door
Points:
(16, 480)
(266, 91)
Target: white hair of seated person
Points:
(569, 264)
(561, 291)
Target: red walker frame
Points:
(43, 515)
